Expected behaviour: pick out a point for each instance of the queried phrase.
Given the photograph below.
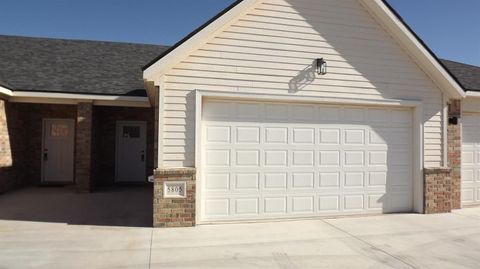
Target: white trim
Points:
(418, 150)
(161, 101)
(75, 98)
(5, 92)
(426, 61)
(307, 99)
(184, 49)
(472, 94)
(445, 131)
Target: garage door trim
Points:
(416, 106)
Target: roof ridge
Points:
(81, 40)
(457, 62)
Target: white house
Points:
(257, 129)
(274, 109)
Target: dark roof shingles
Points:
(74, 66)
(467, 75)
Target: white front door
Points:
(280, 160)
(470, 159)
(57, 151)
(131, 151)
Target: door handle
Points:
(142, 157)
(45, 154)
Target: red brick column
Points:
(438, 190)
(174, 212)
(455, 152)
(83, 147)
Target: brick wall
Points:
(443, 185)
(438, 190)
(21, 140)
(6, 159)
(104, 133)
(169, 212)
(83, 147)
(25, 123)
(455, 152)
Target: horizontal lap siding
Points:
(266, 50)
(471, 105)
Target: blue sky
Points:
(450, 27)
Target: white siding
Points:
(471, 105)
(266, 51)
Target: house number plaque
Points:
(175, 189)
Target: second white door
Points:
(131, 151)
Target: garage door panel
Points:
(217, 181)
(305, 160)
(329, 179)
(247, 206)
(328, 203)
(468, 195)
(275, 205)
(247, 157)
(276, 135)
(471, 159)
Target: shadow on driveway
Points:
(129, 206)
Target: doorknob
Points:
(45, 154)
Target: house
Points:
(274, 109)
(256, 133)
(74, 111)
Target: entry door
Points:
(57, 152)
(131, 151)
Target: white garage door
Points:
(271, 160)
(471, 159)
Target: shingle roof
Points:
(74, 66)
(467, 75)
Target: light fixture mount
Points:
(321, 66)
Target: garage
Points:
(471, 159)
(263, 160)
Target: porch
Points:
(126, 206)
(85, 148)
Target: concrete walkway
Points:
(389, 241)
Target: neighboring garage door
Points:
(271, 160)
(471, 159)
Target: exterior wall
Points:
(104, 130)
(83, 147)
(443, 185)
(455, 152)
(21, 141)
(168, 212)
(471, 105)
(13, 149)
(438, 190)
(270, 50)
(24, 122)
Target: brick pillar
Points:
(438, 190)
(455, 151)
(174, 212)
(6, 161)
(83, 147)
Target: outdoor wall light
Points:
(321, 66)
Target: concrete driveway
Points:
(389, 241)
